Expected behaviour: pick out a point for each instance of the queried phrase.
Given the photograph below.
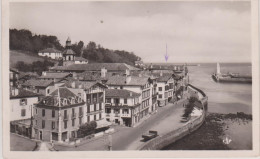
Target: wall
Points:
(169, 138)
(16, 108)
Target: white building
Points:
(22, 102)
(165, 89)
(51, 52)
(122, 106)
(142, 85)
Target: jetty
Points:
(230, 77)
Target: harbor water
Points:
(223, 98)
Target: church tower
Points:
(68, 54)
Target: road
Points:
(128, 138)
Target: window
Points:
(43, 124)
(88, 98)
(36, 122)
(36, 111)
(95, 107)
(121, 87)
(73, 122)
(160, 96)
(80, 111)
(100, 106)
(65, 114)
(116, 110)
(48, 91)
(160, 88)
(65, 124)
(100, 116)
(95, 117)
(23, 101)
(88, 119)
(80, 121)
(125, 101)
(95, 97)
(126, 111)
(88, 108)
(108, 100)
(108, 110)
(43, 112)
(53, 113)
(53, 124)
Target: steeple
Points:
(68, 43)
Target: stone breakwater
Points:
(172, 136)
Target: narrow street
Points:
(127, 138)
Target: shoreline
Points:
(216, 128)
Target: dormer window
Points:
(65, 102)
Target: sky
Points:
(194, 31)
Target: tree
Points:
(189, 107)
(87, 129)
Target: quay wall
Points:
(161, 141)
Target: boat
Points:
(230, 77)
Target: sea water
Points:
(223, 97)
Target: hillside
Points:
(26, 41)
(26, 57)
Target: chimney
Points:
(161, 73)
(127, 72)
(103, 72)
(128, 79)
(73, 84)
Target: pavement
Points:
(129, 138)
(20, 143)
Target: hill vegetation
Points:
(26, 41)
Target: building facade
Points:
(122, 107)
(58, 116)
(165, 89)
(94, 95)
(142, 85)
(51, 53)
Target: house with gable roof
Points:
(57, 117)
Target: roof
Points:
(164, 78)
(58, 96)
(55, 75)
(82, 84)
(50, 50)
(121, 80)
(121, 93)
(31, 74)
(93, 76)
(14, 70)
(68, 52)
(22, 93)
(96, 67)
(79, 59)
(63, 92)
(38, 83)
(139, 62)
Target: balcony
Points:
(81, 114)
(108, 115)
(126, 115)
(94, 112)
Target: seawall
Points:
(170, 137)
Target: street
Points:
(128, 138)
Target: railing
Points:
(117, 115)
(81, 114)
(95, 112)
(125, 115)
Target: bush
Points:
(189, 107)
(87, 129)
